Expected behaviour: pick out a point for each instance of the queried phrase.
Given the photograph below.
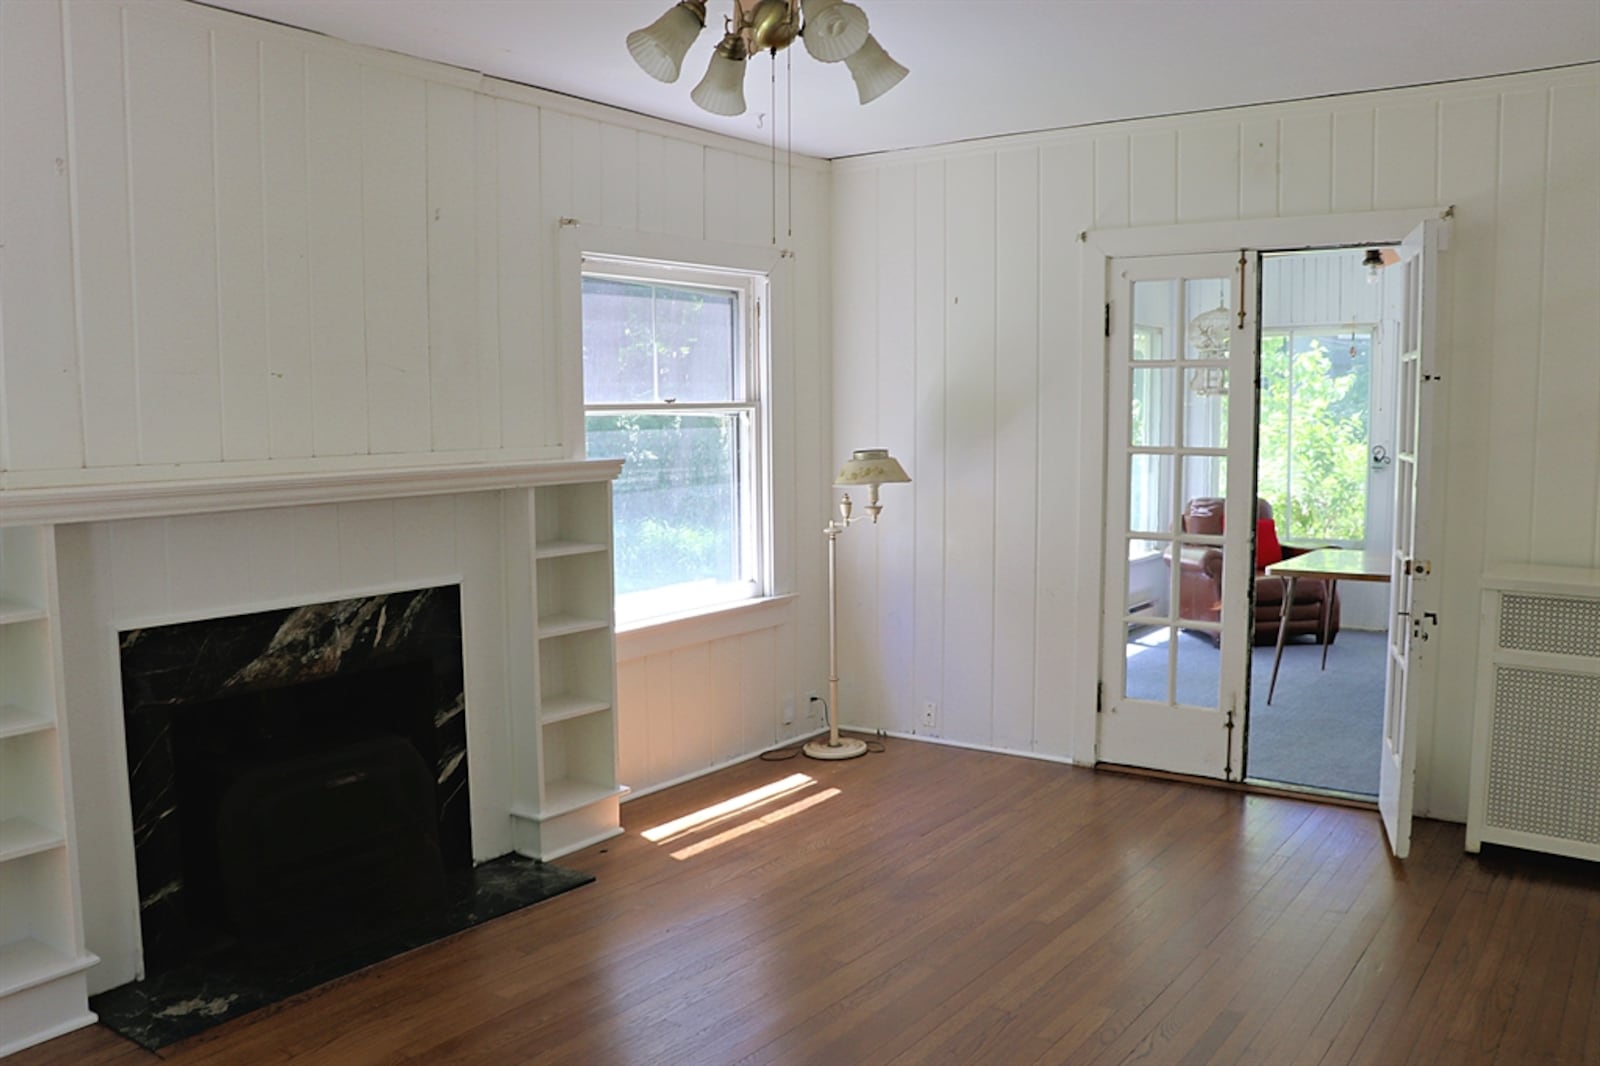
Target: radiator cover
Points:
(1536, 741)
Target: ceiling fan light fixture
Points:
(874, 71)
(659, 48)
(721, 91)
(834, 30)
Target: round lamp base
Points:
(847, 748)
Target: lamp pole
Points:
(835, 747)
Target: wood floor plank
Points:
(932, 904)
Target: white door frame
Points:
(1098, 248)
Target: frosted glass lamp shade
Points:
(659, 48)
(721, 91)
(875, 73)
(871, 466)
(834, 30)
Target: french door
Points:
(1180, 512)
(1415, 610)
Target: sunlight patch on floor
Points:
(751, 826)
(728, 808)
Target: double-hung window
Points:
(672, 385)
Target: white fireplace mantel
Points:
(63, 504)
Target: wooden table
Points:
(1332, 565)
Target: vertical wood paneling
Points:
(174, 245)
(722, 194)
(102, 256)
(1066, 204)
(659, 737)
(43, 421)
(1406, 140)
(486, 171)
(394, 239)
(928, 486)
(1153, 178)
(802, 333)
(425, 539)
(681, 179)
(1567, 452)
(1208, 173)
(1016, 442)
(1110, 181)
(969, 447)
(1468, 165)
(138, 568)
(316, 530)
(585, 162)
(1352, 161)
(619, 177)
(1258, 168)
(690, 670)
(284, 203)
(855, 406)
(1305, 165)
(202, 569)
(633, 723)
(722, 737)
(453, 352)
(1519, 262)
(242, 354)
(758, 703)
(338, 325)
(530, 413)
(366, 544)
(895, 537)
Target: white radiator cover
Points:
(1536, 740)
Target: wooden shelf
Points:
(561, 797)
(15, 610)
(26, 963)
(24, 836)
(565, 708)
(18, 721)
(556, 548)
(561, 625)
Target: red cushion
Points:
(1268, 550)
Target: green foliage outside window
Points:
(1314, 434)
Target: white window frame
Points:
(751, 404)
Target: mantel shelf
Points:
(156, 499)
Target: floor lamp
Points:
(870, 467)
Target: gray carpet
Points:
(1323, 728)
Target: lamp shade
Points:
(834, 30)
(721, 91)
(871, 466)
(875, 73)
(659, 48)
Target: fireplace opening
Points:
(308, 812)
(298, 777)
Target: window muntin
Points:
(672, 367)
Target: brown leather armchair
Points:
(1200, 582)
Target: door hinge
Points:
(1227, 762)
(1099, 696)
(1108, 319)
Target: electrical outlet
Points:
(930, 715)
(788, 710)
(814, 705)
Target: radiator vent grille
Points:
(1551, 624)
(1545, 759)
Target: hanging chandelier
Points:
(833, 31)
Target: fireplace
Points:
(298, 777)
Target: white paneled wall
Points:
(988, 588)
(233, 249)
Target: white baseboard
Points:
(1039, 755)
(792, 742)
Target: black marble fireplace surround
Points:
(295, 770)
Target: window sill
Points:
(652, 636)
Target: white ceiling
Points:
(985, 67)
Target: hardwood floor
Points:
(943, 905)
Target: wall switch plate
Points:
(788, 710)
